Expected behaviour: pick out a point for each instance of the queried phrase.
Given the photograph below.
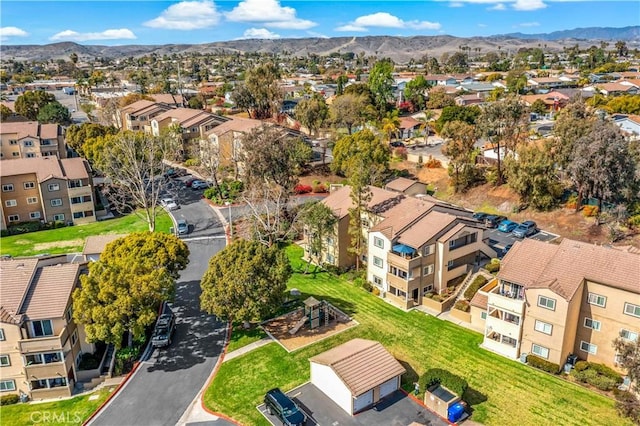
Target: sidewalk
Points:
(243, 350)
(446, 316)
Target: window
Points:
(541, 351)
(427, 270)
(430, 249)
(7, 385)
(58, 217)
(29, 185)
(452, 243)
(5, 361)
(76, 183)
(42, 328)
(450, 264)
(56, 202)
(74, 337)
(76, 200)
(588, 347)
(15, 154)
(547, 303)
(427, 289)
(32, 200)
(543, 327)
(78, 215)
(596, 299)
(633, 310)
(69, 313)
(483, 315)
(31, 155)
(14, 218)
(377, 280)
(625, 334)
(34, 215)
(592, 324)
(28, 143)
(10, 203)
(330, 259)
(13, 142)
(1, 334)
(378, 242)
(377, 261)
(54, 187)
(8, 187)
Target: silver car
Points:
(183, 227)
(169, 204)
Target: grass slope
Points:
(73, 411)
(71, 239)
(501, 390)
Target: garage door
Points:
(388, 387)
(363, 401)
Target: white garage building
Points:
(356, 374)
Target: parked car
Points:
(480, 216)
(492, 221)
(175, 173)
(189, 182)
(525, 229)
(163, 331)
(397, 144)
(169, 204)
(183, 227)
(507, 226)
(506, 249)
(280, 405)
(199, 184)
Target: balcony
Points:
(43, 344)
(54, 369)
(79, 191)
(503, 327)
(403, 284)
(404, 261)
(507, 297)
(504, 345)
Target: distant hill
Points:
(592, 33)
(400, 49)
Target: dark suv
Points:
(281, 406)
(163, 332)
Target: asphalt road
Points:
(167, 382)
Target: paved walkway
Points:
(446, 315)
(243, 350)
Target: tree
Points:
(459, 148)
(381, 84)
(29, 104)
(533, 176)
(77, 136)
(415, 92)
(74, 58)
(347, 110)
(505, 124)
(133, 162)
(572, 123)
(628, 357)
(318, 220)
(5, 112)
(539, 107)
(390, 124)
(124, 289)
(602, 165)
(363, 152)
(312, 113)
(516, 81)
(621, 48)
(54, 112)
(457, 63)
(246, 281)
(466, 114)
(439, 98)
(259, 94)
(196, 102)
(133, 97)
(425, 124)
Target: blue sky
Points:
(203, 21)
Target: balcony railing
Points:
(407, 262)
(43, 344)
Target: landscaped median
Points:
(503, 391)
(71, 239)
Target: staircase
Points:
(471, 276)
(107, 364)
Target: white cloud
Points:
(482, 25)
(529, 24)
(498, 6)
(117, 34)
(525, 5)
(259, 33)
(187, 15)
(386, 20)
(270, 13)
(6, 32)
(316, 34)
(529, 5)
(456, 4)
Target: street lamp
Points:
(228, 204)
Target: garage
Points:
(356, 374)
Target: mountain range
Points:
(400, 49)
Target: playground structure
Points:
(316, 312)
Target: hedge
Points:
(462, 305)
(438, 376)
(543, 364)
(471, 291)
(9, 399)
(597, 375)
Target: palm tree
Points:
(390, 124)
(424, 123)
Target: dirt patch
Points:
(57, 244)
(279, 328)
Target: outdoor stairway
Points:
(470, 278)
(106, 365)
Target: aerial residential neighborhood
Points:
(303, 213)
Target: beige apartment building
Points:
(46, 189)
(555, 300)
(138, 115)
(40, 344)
(225, 141)
(30, 139)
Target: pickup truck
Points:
(163, 331)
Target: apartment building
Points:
(40, 344)
(422, 246)
(46, 189)
(30, 139)
(138, 115)
(555, 300)
(194, 123)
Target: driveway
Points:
(166, 383)
(395, 410)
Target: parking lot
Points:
(396, 409)
(499, 240)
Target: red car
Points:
(189, 182)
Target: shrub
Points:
(634, 221)
(438, 376)
(302, 189)
(332, 269)
(628, 405)
(439, 297)
(376, 291)
(493, 266)
(603, 382)
(367, 286)
(319, 189)
(543, 364)
(89, 362)
(462, 305)
(471, 291)
(9, 399)
(590, 211)
(229, 190)
(400, 152)
(191, 162)
(607, 372)
(581, 366)
(433, 163)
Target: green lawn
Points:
(71, 238)
(502, 391)
(241, 337)
(73, 411)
